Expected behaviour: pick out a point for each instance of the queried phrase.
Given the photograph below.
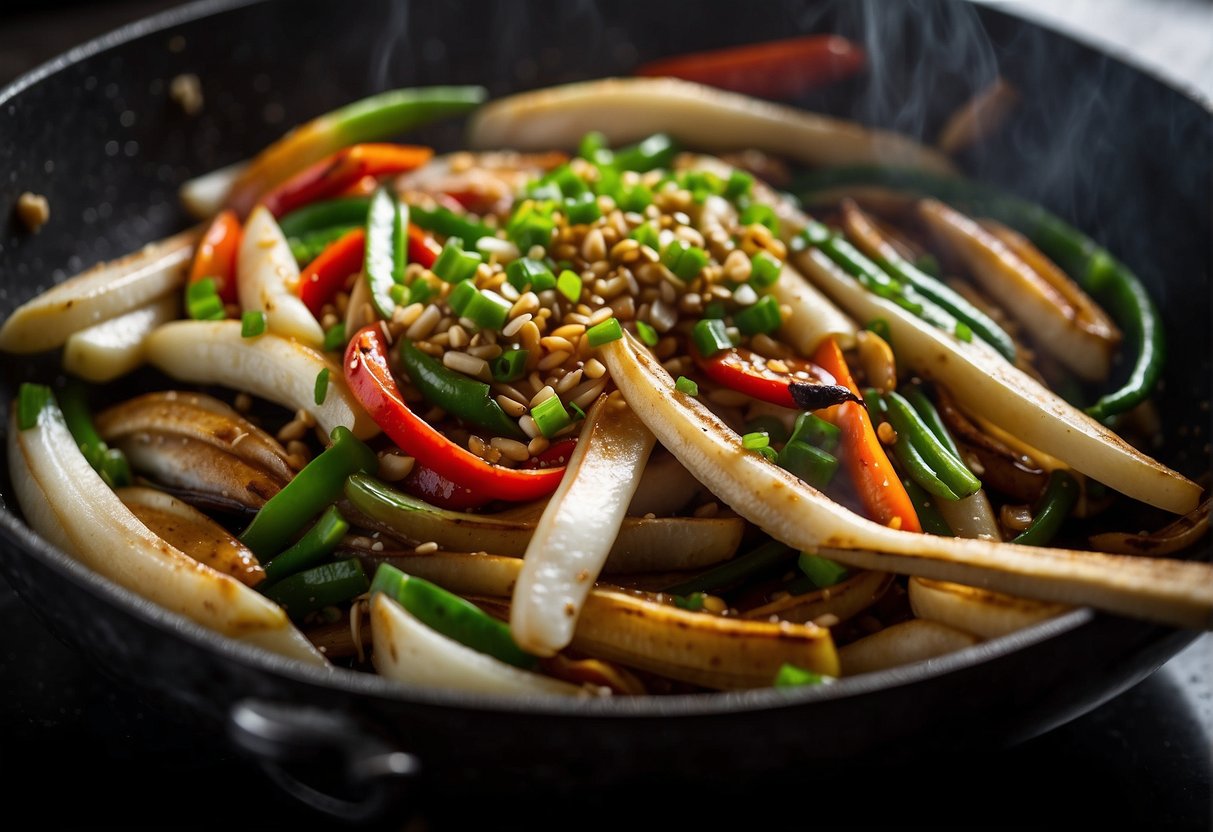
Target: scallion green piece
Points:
(550, 416)
(321, 391)
(509, 366)
(635, 199)
(526, 273)
(593, 146)
(821, 571)
(792, 676)
(813, 430)
(646, 234)
(488, 310)
(739, 186)
(657, 151)
(647, 333)
(683, 259)
(764, 270)
(755, 441)
(577, 411)
(582, 209)
(604, 333)
(692, 602)
(813, 465)
(685, 385)
(531, 225)
(252, 323)
(771, 425)
(710, 336)
(202, 301)
(757, 212)
(761, 318)
(31, 400)
(454, 265)
(569, 285)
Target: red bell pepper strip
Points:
(744, 371)
(423, 248)
(363, 187)
(330, 177)
(437, 490)
(326, 274)
(883, 496)
(370, 380)
(216, 255)
(777, 69)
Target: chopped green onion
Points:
(881, 327)
(454, 265)
(646, 234)
(200, 290)
(635, 199)
(811, 464)
(764, 270)
(420, 291)
(710, 336)
(964, 332)
(461, 296)
(526, 273)
(739, 186)
(252, 323)
(31, 399)
(715, 309)
(488, 310)
(604, 333)
(685, 385)
(399, 293)
(509, 366)
(692, 602)
(813, 430)
(791, 676)
(593, 146)
(821, 571)
(763, 317)
(684, 259)
(582, 209)
(531, 225)
(772, 426)
(577, 411)
(768, 453)
(207, 309)
(756, 440)
(550, 416)
(321, 391)
(325, 585)
(657, 151)
(569, 285)
(647, 333)
(757, 212)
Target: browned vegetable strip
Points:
(1172, 538)
(844, 601)
(902, 644)
(977, 611)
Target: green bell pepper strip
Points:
(469, 400)
(928, 513)
(1108, 280)
(1059, 498)
(343, 211)
(821, 571)
(449, 224)
(320, 483)
(319, 587)
(312, 244)
(455, 618)
(110, 463)
(931, 418)
(383, 241)
(910, 427)
(32, 399)
(911, 460)
(766, 556)
(317, 544)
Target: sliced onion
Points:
(108, 350)
(977, 611)
(269, 280)
(902, 644)
(66, 502)
(844, 601)
(571, 542)
(270, 366)
(1171, 592)
(408, 651)
(630, 109)
(971, 516)
(99, 294)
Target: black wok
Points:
(1113, 150)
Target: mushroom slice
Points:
(65, 500)
(193, 533)
(103, 292)
(275, 368)
(201, 418)
(629, 109)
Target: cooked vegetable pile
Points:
(623, 420)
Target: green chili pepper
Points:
(319, 587)
(930, 417)
(346, 211)
(317, 544)
(455, 618)
(32, 399)
(449, 224)
(110, 463)
(463, 397)
(310, 245)
(320, 483)
(910, 428)
(929, 518)
(767, 556)
(382, 221)
(1110, 282)
(1059, 498)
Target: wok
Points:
(1111, 149)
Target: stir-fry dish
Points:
(597, 406)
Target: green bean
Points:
(930, 416)
(733, 572)
(345, 211)
(947, 466)
(928, 513)
(1059, 498)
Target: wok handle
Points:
(362, 772)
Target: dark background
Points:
(87, 752)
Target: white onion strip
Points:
(1170, 592)
(977, 611)
(66, 502)
(114, 348)
(575, 534)
(269, 280)
(410, 652)
(902, 644)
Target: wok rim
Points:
(23, 540)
